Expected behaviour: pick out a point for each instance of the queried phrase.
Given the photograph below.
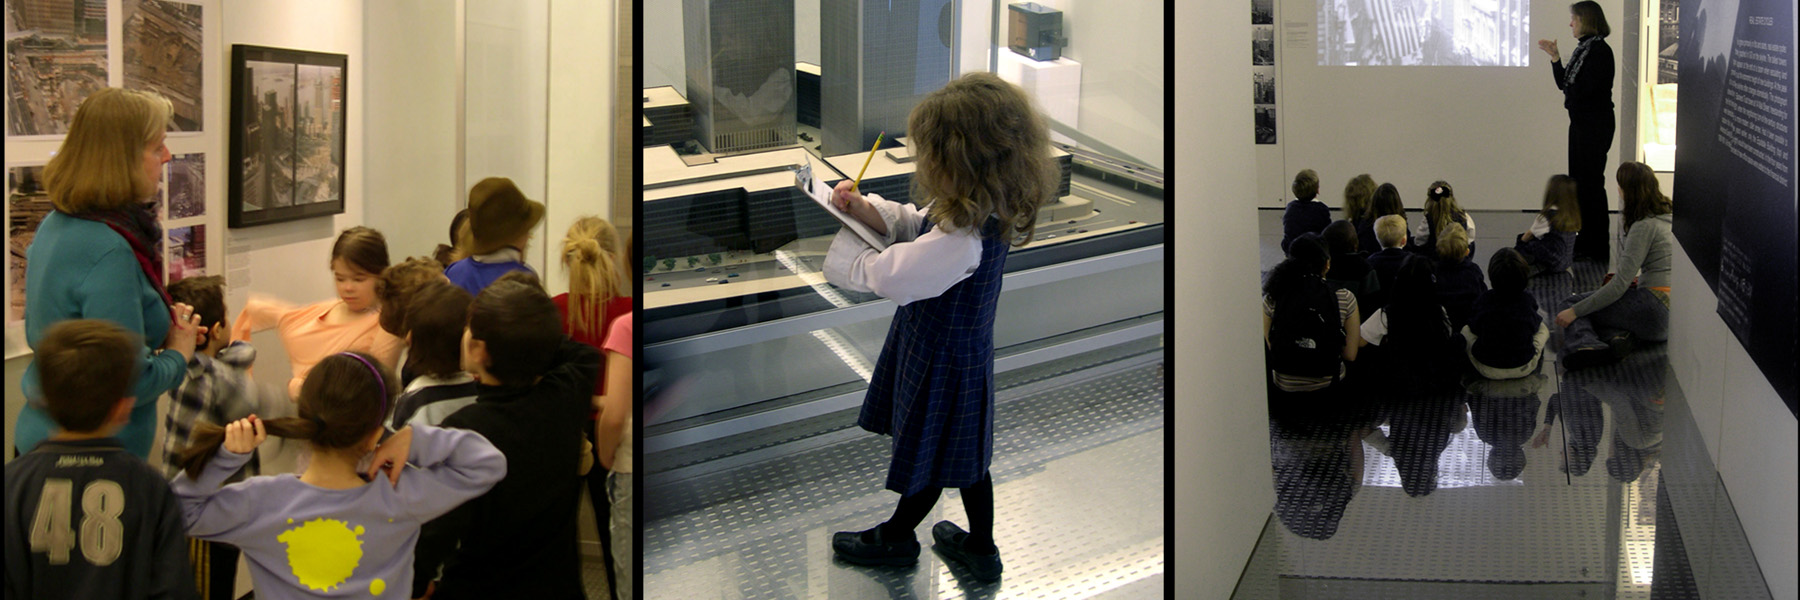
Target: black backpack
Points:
(1306, 337)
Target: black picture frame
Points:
(286, 104)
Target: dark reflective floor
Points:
(1587, 483)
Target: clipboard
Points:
(821, 194)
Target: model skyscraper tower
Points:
(880, 57)
(740, 72)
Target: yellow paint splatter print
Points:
(323, 552)
(377, 586)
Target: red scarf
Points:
(140, 229)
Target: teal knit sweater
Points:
(80, 269)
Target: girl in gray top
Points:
(335, 530)
(1633, 303)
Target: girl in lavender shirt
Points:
(335, 530)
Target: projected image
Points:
(1424, 32)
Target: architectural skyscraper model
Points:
(879, 58)
(740, 72)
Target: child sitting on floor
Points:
(1506, 334)
(1459, 280)
(1549, 246)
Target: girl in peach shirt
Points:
(347, 323)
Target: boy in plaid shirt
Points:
(219, 390)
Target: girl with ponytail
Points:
(591, 255)
(366, 524)
(597, 292)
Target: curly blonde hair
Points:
(590, 255)
(982, 149)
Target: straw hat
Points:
(499, 214)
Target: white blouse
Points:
(914, 267)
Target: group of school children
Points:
(449, 409)
(1410, 300)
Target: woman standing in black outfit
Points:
(1587, 84)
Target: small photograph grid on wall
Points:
(186, 185)
(58, 50)
(1262, 44)
(187, 252)
(27, 203)
(163, 53)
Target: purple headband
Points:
(382, 381)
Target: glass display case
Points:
(741, 330)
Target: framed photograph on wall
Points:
(287, 135)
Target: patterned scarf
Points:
(1575, 59)
(140, 228)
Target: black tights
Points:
(978, 501)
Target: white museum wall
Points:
(1495, 133)
(1223, 490)
(582, 100)
(410, 141)
(1119, 47)
(291, 260)
(1752, 438)
(506, 101)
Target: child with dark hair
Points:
(1506, 334)
(445, 254)
(534, 394)
(218, 389)
(1309, 328)
(1549, 246)
(1305, 214)
(334, 528)
(435, 317)
(1459, 280)
(1384, 200)
(82, 474)
(1412, 331)
(349, 322)
(1348, 269)
(493, 238)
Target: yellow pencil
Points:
(866, 162)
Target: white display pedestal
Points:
(1054, 84)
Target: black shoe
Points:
(1588, 356)
(1621, 344)
(950, 538)
(868, 548)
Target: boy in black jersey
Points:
(85, 518)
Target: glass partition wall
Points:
(741, 330)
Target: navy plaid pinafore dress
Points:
(933, 385)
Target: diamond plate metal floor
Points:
(1078, 484)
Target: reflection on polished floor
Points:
(1078, 485)
(1565, 484)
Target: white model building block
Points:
(1055, 84)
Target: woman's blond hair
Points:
(982, 149)
(590, 254)
(100, 165)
